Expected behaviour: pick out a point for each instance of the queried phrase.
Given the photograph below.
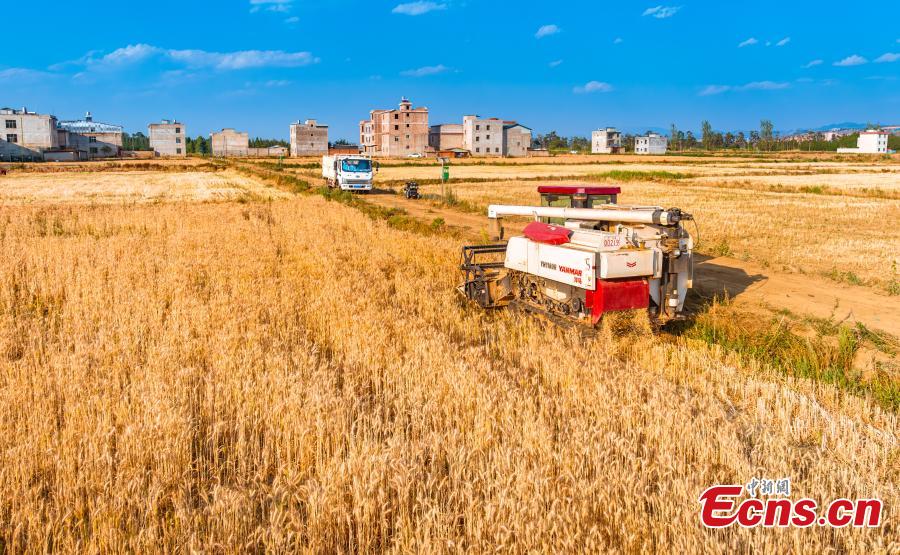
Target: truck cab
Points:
(348, 172)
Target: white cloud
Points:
(762, 86)
(279, 6)
(749, 42)
(783, 41)
(22, 76)
(592, 87)
(241, 59)
(853, 60)
(887, 57)
(292, 20)
(555, 63)
(131, 54)
(661, 12)
(418, 8)
(546, 31)
(714, 89)
(276, 83)
(425, 71)
(813, 63)
(710, 90)
(618, 40)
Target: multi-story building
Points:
(309, 138)
(26, 135)
(91, 138)
(606, 141)
(870, 141)
(445, 136)
(229, 142)
(395, 132)
(168, 138)
(516, 139)
(483, 137)
(652, 143)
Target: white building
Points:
(167, 138)
(26, 135)
(652, 143)
(870, 141)
(606, 141)
(483, 137)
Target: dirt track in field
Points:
(744, 282)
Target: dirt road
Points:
(744, 282)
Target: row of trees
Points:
(200, 145)
(763, 139)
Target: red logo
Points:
(720, 509)
(631, 264)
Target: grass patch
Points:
(827, 356)
(633, 175)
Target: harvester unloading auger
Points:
(583, 256)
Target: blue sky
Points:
(257, 65)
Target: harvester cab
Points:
(584, 255)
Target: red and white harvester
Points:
(583, 256)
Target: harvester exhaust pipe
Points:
(655, 215)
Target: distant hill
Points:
(845, 125)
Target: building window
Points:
(477, 149)
(396, 128)
(477, 138)
(93, 150)
(177, 151)
(496, 150)
(92, 139)
(12, 138)
(488, 137)
(488, 127)
(477, 128)
(10, 124)
(178, 140)
(178, 130)
(396, 116)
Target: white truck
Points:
(348, 172)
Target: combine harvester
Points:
(584, 256)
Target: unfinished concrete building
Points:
(400, 132)
(167, 138)
(606, 141)
(483, 137)
(446, 136)
(309, 138)
(229, 142)
(516, 139)
(651, 143)
(91, 139)
(25, 135)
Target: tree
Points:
(689, 140)
(673, 136)
(741, 140)
(706, 132)
(766, 135)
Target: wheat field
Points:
(292, 376)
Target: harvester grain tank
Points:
(584, 255)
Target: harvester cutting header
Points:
(583, 256)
